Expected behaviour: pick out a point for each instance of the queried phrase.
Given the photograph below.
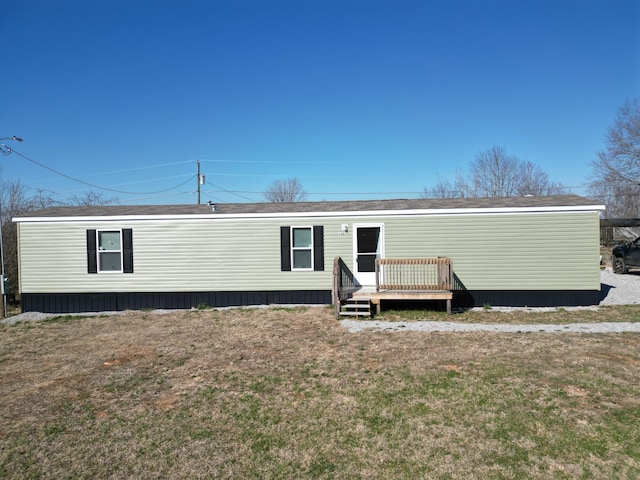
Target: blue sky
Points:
(357, 99)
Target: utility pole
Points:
(200, 179)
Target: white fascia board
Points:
(361, 213)
(110, 218)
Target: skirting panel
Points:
(525, 298)
(101, 302)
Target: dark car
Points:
(626, 256)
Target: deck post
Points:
(335, 287)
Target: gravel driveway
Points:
(619, 289)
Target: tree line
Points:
(616, 170)
(496, 173)
(614, 181)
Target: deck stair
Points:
(356, 307)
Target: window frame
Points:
(99, 251)
(318, 248)
(293, 248)
(126, 246)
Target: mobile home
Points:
(535, 251)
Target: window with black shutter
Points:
(302, 248)
(110, 251)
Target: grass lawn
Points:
(288, 393)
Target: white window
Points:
(109, 250)
(302, 248)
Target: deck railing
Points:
(343, 282)
(414, 274)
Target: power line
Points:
(127, 170)
(92, 185)
(285, 175)
(311, 162)
(317, 193)
(236, 193)
(286, 162)
(156, 180)
(352, 193)
(175, 194)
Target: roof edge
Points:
(316, 214)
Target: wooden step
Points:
(356, 307)
(355, 314)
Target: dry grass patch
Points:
(520, 316)
(288, 393)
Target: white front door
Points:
(368, 244)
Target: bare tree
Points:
(616, 172)
(289, 190)
(621, 198)
(532, 180)
(442, 189)
(91, 198)
(15, 201)
(496, 173)
(43, 199)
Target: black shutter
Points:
(285, 249)
(92, 260)
(318, 248)
(127, 250)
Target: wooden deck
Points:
(421, 279)
(421, 295)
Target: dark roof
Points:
(316, 207)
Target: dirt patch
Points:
(132, 354)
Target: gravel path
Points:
(608, 327)
(615, 290)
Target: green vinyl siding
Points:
(185, 255)
(514, 251)
(532, 251)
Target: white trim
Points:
(369, 277)
(344, 213)
(98, 251)
(292, 248)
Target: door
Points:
(368, 245)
